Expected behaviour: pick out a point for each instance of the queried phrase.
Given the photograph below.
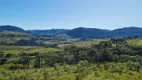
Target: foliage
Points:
(112, 59)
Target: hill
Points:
(126, 32)
(15, 38)
(49, 32)
(11, 28)
(101, 33)
(26, 39)
(87, 32)
(80, 32)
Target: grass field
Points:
(25, 49)
(88, 43)
(135, 42)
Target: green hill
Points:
(11, 28)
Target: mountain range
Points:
(81, 32)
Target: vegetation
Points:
(114, 59)
(26, 39)
(81, 71)
(24, 56)
(135, 42)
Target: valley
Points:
(26, 56)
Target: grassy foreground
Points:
(81, 71)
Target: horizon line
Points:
(74, 28)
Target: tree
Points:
(105, 55)
(92, 55)
(25, 60)
(38, 60)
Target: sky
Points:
(69, 14)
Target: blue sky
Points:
(68, 14)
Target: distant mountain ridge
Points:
(87, 32)
(82, 32)
(126, 32)
(50, 32)
(11, 28)
(102, 33)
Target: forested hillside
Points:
(26, 39)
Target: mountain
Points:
(87, 32)
(81, 32)
(102, 33)
(11, 28)
(49, 32)
(126, 31)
